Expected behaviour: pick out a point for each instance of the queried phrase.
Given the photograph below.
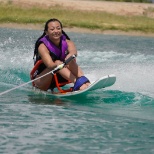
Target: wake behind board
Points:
(103, 82)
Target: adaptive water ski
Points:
(103, 82)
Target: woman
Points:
(54, 47)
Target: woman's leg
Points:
(76, 71)
(71, 73)
(67, 74)
(44, 82)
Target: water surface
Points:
(118, 119)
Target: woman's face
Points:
(54, 30)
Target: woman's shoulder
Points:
(42, 48)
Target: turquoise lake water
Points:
(118, 119)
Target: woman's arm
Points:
(45, 56)
(71, 49)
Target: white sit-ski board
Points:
(103, 82)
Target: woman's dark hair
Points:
(44, 33)
(51, 20)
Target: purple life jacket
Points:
(59, 53)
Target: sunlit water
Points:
(118, 119)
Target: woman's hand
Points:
(58, 62)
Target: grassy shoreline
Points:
(95, 21)
(75, 29)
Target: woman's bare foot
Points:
(84, 86)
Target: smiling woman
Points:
(53, 48)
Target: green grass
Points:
(10, 13)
